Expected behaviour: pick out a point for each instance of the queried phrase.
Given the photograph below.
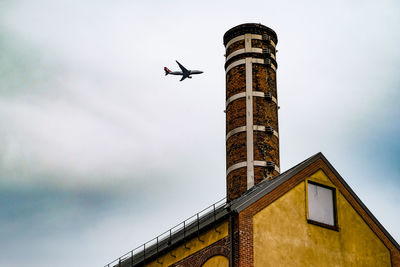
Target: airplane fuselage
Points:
(190, 72)
(185, 73)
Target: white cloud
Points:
(87, 105)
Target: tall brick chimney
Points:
(252, 136)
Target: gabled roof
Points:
(216, 215)
(264, 188)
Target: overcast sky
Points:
(100, 152)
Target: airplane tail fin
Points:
(167, 71)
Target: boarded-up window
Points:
(321, 204)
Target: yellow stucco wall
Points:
(194, 244)
(217, 261)
(282, 236)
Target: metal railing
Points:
(181, 232)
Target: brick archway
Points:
(197, 259)
(211, 252)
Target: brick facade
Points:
(235, 81)
(235, 185)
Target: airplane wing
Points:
(183, 77)
(182, 67)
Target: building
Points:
(305, 216)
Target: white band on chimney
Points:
(257, 163)
(235, 131)
(252, 36)
(241, 37)
(251, 50)
(244, 129)
(234, 97)
(263, 129)
(253, 60)
(236, 166)
(260, 163)
(243, 50)
(243, 94)
(234, 64)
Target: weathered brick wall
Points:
(236, 114)
(235, 183)
(235, 46)
(265, 111)
(235, 81)
(236, 149)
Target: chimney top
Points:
(255, 28)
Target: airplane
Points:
(185, 72)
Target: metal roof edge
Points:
(208, 220)
(267, 186)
